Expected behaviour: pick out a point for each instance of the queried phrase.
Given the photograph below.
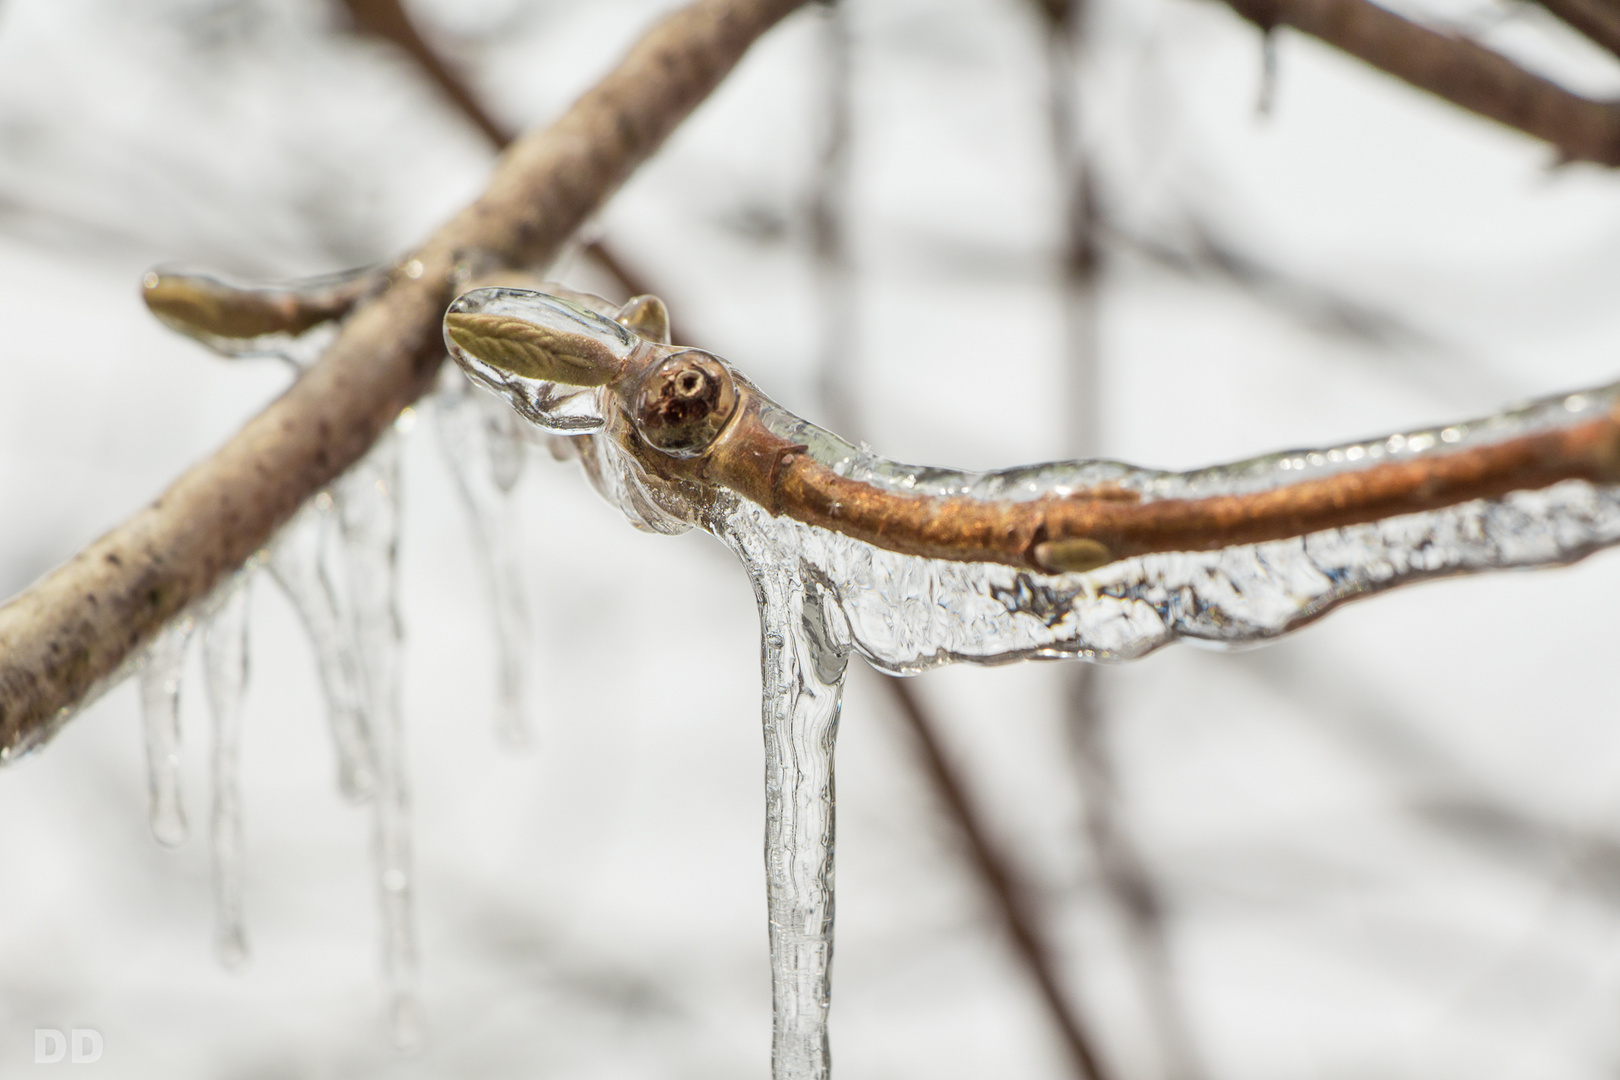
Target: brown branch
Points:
(79, 623)
(995, 870)
(1456, 69)
(388, 20)
(1096, 527)
(1599, 20)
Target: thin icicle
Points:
(484, 446)
(160, 717)
(298, 562)
(803, 666)
(368, 515)
(225, 671)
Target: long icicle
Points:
(484, 448)
(368, 512)
(298, 562)
(160, 717)
(803, 674)
(225, 673)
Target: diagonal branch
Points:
(1456, 69)
(1599, 20)
(78, 624)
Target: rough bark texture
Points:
(78, 624)
(1459, 70)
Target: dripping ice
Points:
(485, 450)
(337, 563)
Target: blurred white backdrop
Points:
(1389, 845)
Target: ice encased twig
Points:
(906, 613)
(484, 447)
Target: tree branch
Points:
(78, 624)
(1599, 20)
(1456, 69)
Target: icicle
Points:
(298, 563)
(160, 715)
(367, 498)
(225, 670)
(803, 667)
(483, 444)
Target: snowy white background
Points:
(1389, 845)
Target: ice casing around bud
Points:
(510, 364)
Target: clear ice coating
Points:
(292, 321)
(822, 594)
(225, 672)
(299, 561)
(161, 672)
(367, 500)
(484, 446)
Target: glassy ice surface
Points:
(484, 446)
(558, 408)
(225, 672)
(367, 499)
(300, 561)
(802, 671)
(216, 310)
(160, 718)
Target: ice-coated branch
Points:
(78, 624)
(690, 421)
(1456, 69)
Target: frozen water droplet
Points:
(160, 712)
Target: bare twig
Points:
(79, 623)
(1456, 69)
(388, 20)
(996, 871)
(1599, 20)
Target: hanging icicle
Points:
(225, 672)
(367, 499)
(161, 675)
(484, 446)
(299, 560)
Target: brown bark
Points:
(1599, 20)
(80, 622)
